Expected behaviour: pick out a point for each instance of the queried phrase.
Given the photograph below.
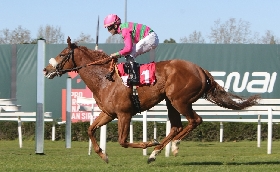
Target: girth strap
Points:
(135, 99)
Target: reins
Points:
(113, 61)
(103, 61)
(70, 55)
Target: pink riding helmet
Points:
(111, 19)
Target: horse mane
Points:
(93, 54)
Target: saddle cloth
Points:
(147, 73)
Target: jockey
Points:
(138, 39)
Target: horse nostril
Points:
(44, 71)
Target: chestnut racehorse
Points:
(179, 82)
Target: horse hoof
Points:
(175, 152)
(105, 158)
(150, 160)
(155, 142)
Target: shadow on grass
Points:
(205, 145)
(221, 163)
(254, 163)
(232, 163)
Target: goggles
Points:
(110, 27)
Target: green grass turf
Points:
(193, 156)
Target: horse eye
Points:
(61, 55)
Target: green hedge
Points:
(207, 131)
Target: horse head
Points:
(62, 63)
(73, 58)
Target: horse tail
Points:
(217, 95)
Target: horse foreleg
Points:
(123, 130)
(102, 119)
(142, 145)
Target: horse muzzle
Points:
(49, 74)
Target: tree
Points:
(114, 39)
(17, 36)
(171, 40)
(231, 31)
(51, 34)
(195, 37)
(84, 38)
(272, 40)
(268, 38)
(5, 36)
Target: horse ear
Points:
(69, 42)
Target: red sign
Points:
(76, 114)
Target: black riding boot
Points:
(134, 70)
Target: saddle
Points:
(137, 75)
(145, 73)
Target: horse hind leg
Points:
(175, 147)
(194, 120)
(101, 120)
(176, 127)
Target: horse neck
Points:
(86, 57)
(94, 74)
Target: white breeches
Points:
(145, 45)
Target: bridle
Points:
(70, 56)
(65, 58)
